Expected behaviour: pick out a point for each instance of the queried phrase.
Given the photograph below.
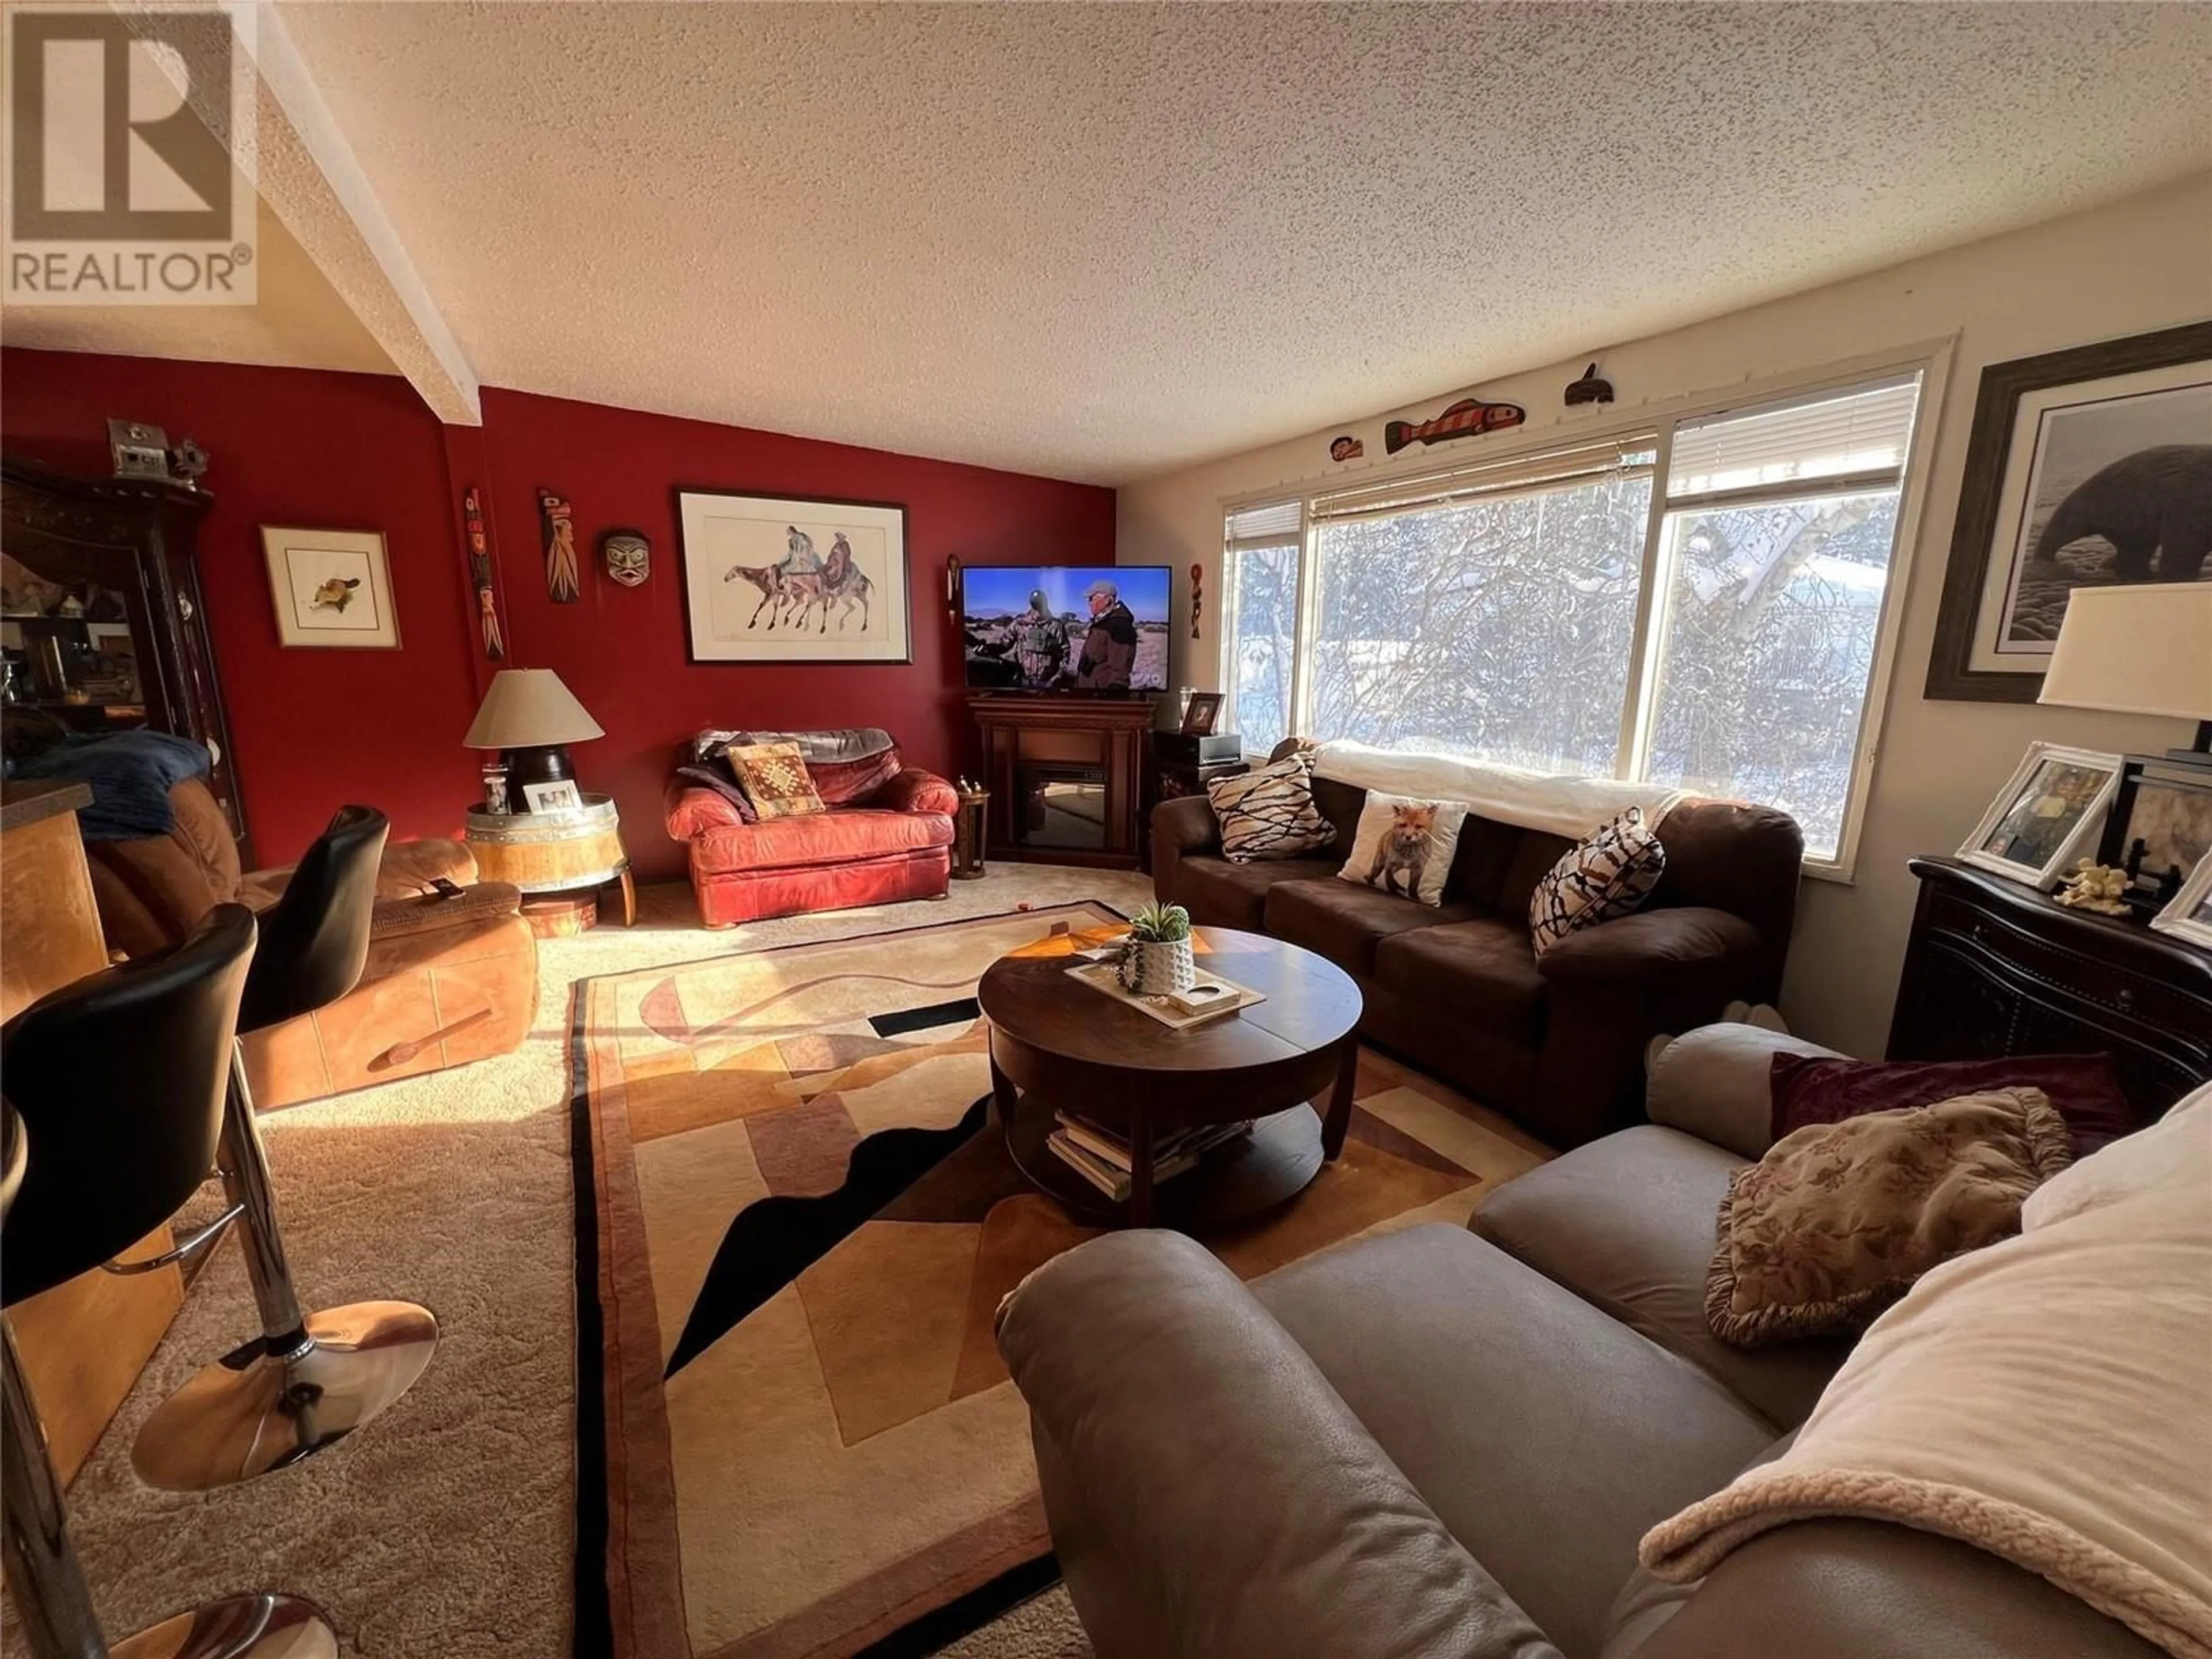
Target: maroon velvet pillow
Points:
(1807, 1089)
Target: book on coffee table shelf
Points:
(1103, 1157)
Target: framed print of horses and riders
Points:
(771, 579)
(2084, 468)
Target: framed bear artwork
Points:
(2084, 468)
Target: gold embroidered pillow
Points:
(1405, 846)
(774, 778)
(1838, 1220)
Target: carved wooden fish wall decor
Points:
(1464, 419)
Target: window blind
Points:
(1555, 468)
(1859, 433)
(1276, 524)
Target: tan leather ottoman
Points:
(452, 977)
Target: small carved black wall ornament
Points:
(1590, 389)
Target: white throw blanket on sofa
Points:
(2048, 1399)
(1569, 806)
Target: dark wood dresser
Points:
(1996, 969)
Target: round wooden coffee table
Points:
(1060, 1045)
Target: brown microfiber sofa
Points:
(451, 977)
(1557, 1041)
(1440, 1443)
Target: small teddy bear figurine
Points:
(2095, 886)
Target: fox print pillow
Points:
(1405, 846)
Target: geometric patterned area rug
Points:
(794, 1223)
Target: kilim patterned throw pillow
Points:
(774, 779)
(1269, 813)
(1607, 873)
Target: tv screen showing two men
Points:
(1065, 628)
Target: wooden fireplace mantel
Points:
(1063, 732)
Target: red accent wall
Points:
(315, 728)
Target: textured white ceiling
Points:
(1099, 240)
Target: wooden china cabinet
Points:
(103, 625)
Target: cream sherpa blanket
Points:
(1567, 807)
(2048, 1399)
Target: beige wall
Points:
(2143, 263)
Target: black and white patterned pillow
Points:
(1269, 812)
(1607, 873)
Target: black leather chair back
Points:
(120, 1080)
(314, 939)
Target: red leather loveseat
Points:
(887, 835)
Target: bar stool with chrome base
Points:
(308, 1380)
(120, 1077)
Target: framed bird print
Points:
(332, 588)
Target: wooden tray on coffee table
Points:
(1058, 1045)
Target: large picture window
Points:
(1496, 610)
(1262, 551)
(1494, 619)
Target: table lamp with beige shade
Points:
(530, 716)
(2141, 649)
(2145, 649)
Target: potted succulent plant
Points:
(1156, 959)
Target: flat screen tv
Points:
(1096, 629)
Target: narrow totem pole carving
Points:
(563, 580)
(480, 572)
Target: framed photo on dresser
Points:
(2159, 828)
(2047, 816)
(2189, 915)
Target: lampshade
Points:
(527, 709)
(2134, 650)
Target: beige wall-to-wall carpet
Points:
(805, 1225)
(445, 1529)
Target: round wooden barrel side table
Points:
(560, 860)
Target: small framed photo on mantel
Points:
(332, 588)
(1204, 713)
(2047, 816)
